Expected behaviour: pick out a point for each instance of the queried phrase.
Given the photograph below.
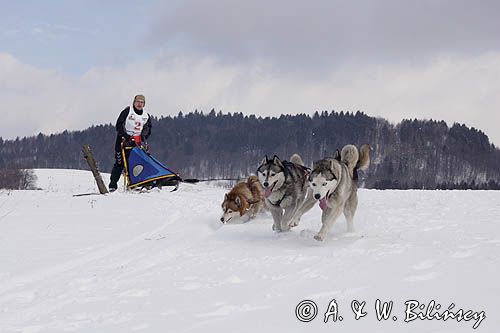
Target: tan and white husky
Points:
(244, 199)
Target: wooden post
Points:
(87, 153)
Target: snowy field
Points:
(161, 262)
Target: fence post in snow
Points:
(87, 153)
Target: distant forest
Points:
(413, 154)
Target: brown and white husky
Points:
(244, 199)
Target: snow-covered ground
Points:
(161, 262)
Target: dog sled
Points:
(144, 172)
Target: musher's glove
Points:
(129, 142)
(145, 146)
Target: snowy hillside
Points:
(161, 262)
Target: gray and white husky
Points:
(334, 182)
(286, 190)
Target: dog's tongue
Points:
(268, 191)
(322, 203)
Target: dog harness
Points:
(277, 203)
(135, 123)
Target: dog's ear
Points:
(332, 165)
(276, 160)
(337, 155)
(264, 161)
(334, 168)
(238, 201)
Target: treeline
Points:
(418, 154)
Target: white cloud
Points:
(311, 35)
(462, 89)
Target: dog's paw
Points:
(285, 228)
(318, 237)
(294, 224)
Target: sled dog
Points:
(245, 198)
(334, 182)
(286, 189)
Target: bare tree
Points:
(17, 179)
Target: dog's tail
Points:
(364, 157)
(350, 156)
(356, 160)
(296, 159)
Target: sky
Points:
(67, 65)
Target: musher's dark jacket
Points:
(120, 128)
